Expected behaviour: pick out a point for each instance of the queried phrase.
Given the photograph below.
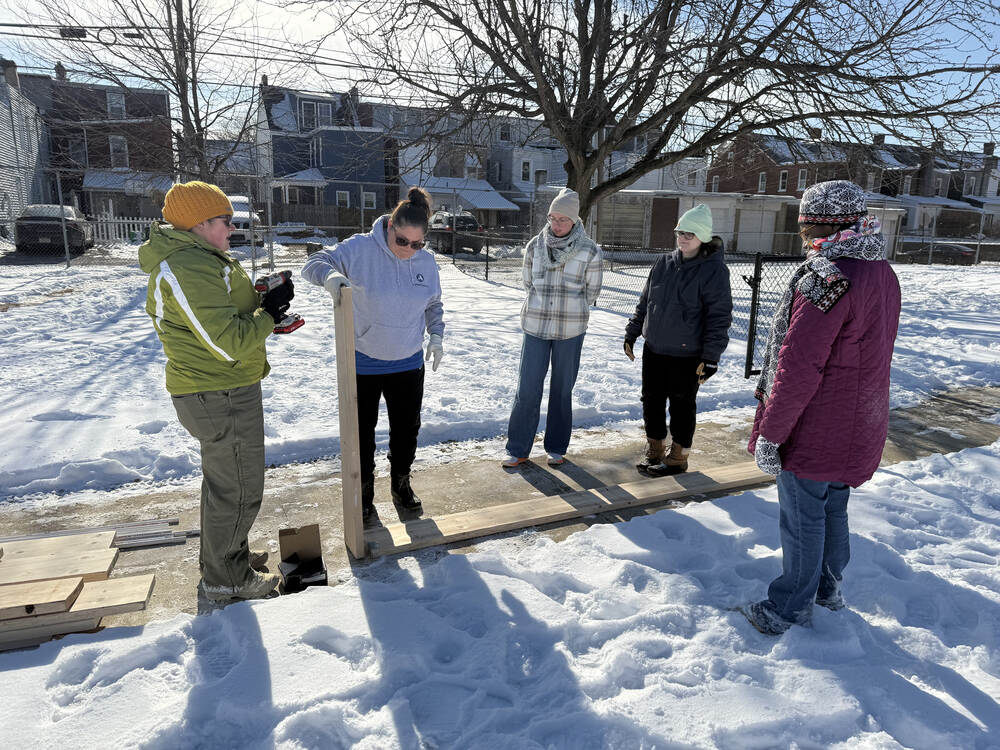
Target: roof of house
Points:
(468, 192)
(125, 181)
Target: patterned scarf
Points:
(560, 249)
(821, 283)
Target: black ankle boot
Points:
(402, 493)
(368, 514)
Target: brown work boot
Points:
(653, 455)
(257, 586)
(675, 462)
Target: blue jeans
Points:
(815, 546)
(535, 356)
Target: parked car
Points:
(464, 226)
(40, 227)
(940, 252)
(244, 221)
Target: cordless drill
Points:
(264, 284)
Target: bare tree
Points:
(202, 52)
(684, 77)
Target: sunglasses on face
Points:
(684, 235)
(227, 220)
(403, 242)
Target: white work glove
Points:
(434, 349)
(767, 457)
(333, 284)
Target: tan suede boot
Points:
(675, 462)
(654, 454)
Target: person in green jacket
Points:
(213, 325)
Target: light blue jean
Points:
(535, 356)
(815, 546)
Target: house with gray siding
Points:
(23, 149)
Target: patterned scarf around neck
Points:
(821, 283)
(559, 249)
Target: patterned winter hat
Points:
(833, 202)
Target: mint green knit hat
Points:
(698, 221)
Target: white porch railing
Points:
(119, 228)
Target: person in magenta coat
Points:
(823, 415)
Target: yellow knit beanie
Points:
(190, 203)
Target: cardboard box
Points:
(301, 558)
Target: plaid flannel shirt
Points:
(558, 303)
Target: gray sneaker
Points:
(258, 586)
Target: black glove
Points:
(706, 370)
(629, 343)
(277, 301)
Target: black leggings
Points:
(404, 394)
(673, 379)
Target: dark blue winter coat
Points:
(686, 306)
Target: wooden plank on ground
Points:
(94, 565)
(97, 599)
(39, 598)
(454, 527)
(113, 527)
(28, 638)
(58, 545)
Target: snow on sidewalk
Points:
(84, 407)
(617, 637)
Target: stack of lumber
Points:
(128, 535)
(55, 585)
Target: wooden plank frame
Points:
(350, 450)
(471, 524)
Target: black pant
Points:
(669, 378)
(404, 393)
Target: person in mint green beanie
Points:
(213, 325)
(684, 314)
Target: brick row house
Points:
(110, 148)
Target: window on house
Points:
(907, 184)
(116, 105)
(782, 181)
(119, 151)
(730, 160)
(324, 113)
(498, 172)
(870, 182)
(692, 177)
(525, 171)
(640, 143)
(343, 199)
(970, 186)
(368, 199)
(541, 176)
(505, 131)
(316, 152)
(293, 195)
(77, 148)
(762, 182)
(715, 183)
(803, 179)
(308, 115)
(938, 185)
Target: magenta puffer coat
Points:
(829, 405)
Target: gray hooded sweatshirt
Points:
(394, 300)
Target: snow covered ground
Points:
(618, 637)
(84, 407)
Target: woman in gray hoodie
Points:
(397, 296)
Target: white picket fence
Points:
(120, 228)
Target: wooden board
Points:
(347, 409)
(40, 598)
(97, 599)
(68, 532)
(454, 527)
(94, 565)
(30, 638)
(58, 545)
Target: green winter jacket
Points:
(205, 311)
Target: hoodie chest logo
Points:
(420, 278)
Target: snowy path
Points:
(615, 638)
